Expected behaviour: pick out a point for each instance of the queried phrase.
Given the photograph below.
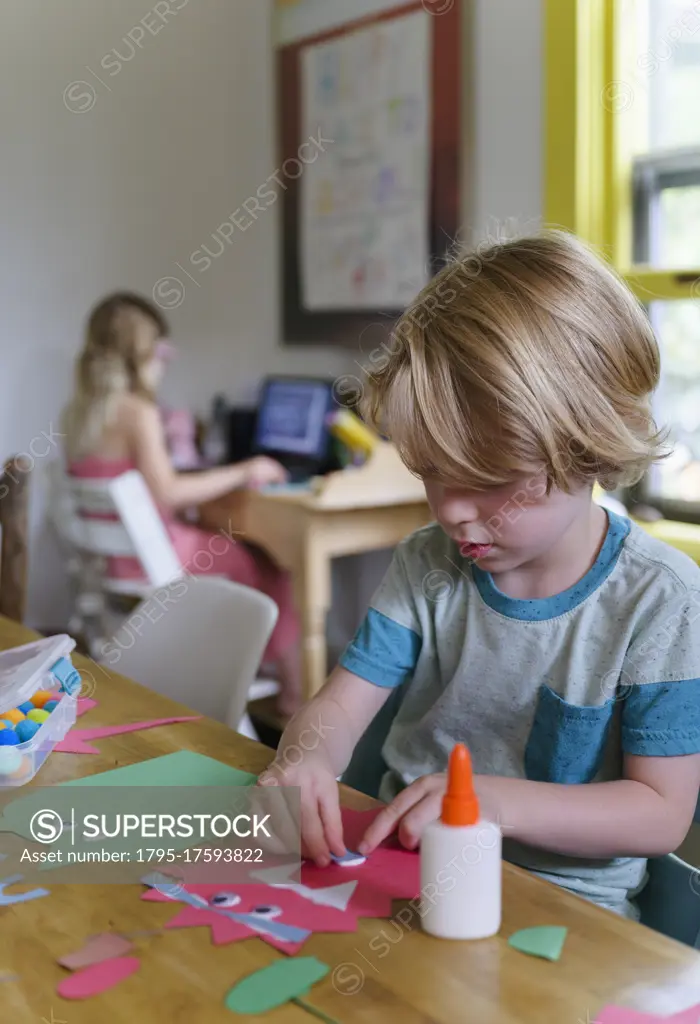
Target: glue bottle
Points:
(461, 862)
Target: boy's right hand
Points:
(321, 824)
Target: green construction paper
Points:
(546, 941)
(275, 985)
(184, 768)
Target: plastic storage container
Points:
(42, 665)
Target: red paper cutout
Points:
(98, 978)
(389, 873)
(74, 743)
(296, 911)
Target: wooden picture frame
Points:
(301, 326)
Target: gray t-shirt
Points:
(553, 689)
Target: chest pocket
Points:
(567, 742)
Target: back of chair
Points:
(14, 526)
(200, 644)
(134, 530)
(367, 766)
(670, 901)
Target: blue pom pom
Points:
(26, 707)
(50, 705)
(8, 738)
(26, 729)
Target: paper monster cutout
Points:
(389, 873)
(281, 918)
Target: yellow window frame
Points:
(590, 120)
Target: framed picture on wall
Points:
(369, 137)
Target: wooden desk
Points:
(303, 532)
(419, 980)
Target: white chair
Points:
(136, 531)
(199, 643)
(98, 519)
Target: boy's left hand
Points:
(413, 809)
(420, 803)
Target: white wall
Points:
(507, 61)
(115, 196)
(174, 140)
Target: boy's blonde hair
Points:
(528, 355)
(120, 341)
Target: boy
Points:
(558, 641)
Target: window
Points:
(624, 172)
(665, 181)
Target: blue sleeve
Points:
(386, 647)
(661, 683)
(662, 719)
(382, 651)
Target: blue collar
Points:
(540, 608)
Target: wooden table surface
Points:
(382, 973)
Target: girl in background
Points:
(113, 424)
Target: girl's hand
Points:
(321, 824)
(261, 471)
(413, 809)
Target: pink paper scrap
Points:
(74, 743)
(622, 1015)
(95, 951)
(98, 978)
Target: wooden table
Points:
(383, 973)
(303, 532)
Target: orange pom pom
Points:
(41, 697)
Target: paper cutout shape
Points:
(689, 1016)
(545, 941)
(74, 743)
(8, 899)
(275, 985)
(184, 768)
(95, 950)
(98, 978)
(337, 896)
(620, 1015)
(389, 873)
(356, 823)
(286, 923)
(85, 704)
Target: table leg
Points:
(312, 583)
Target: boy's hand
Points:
(321, 824)
(413, 809)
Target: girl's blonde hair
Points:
(525, 356)
(120, 340)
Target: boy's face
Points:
(504, 527)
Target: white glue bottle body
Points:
(461, 862)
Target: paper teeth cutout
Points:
(337, 896)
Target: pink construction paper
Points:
(74, 743)
(296, 911)
(622, 1015)
(98, 978)
(95, 950)
(689, 1016)
(389, 873)
(85, 704)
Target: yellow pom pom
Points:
(14, 715)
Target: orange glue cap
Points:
(460, 805)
